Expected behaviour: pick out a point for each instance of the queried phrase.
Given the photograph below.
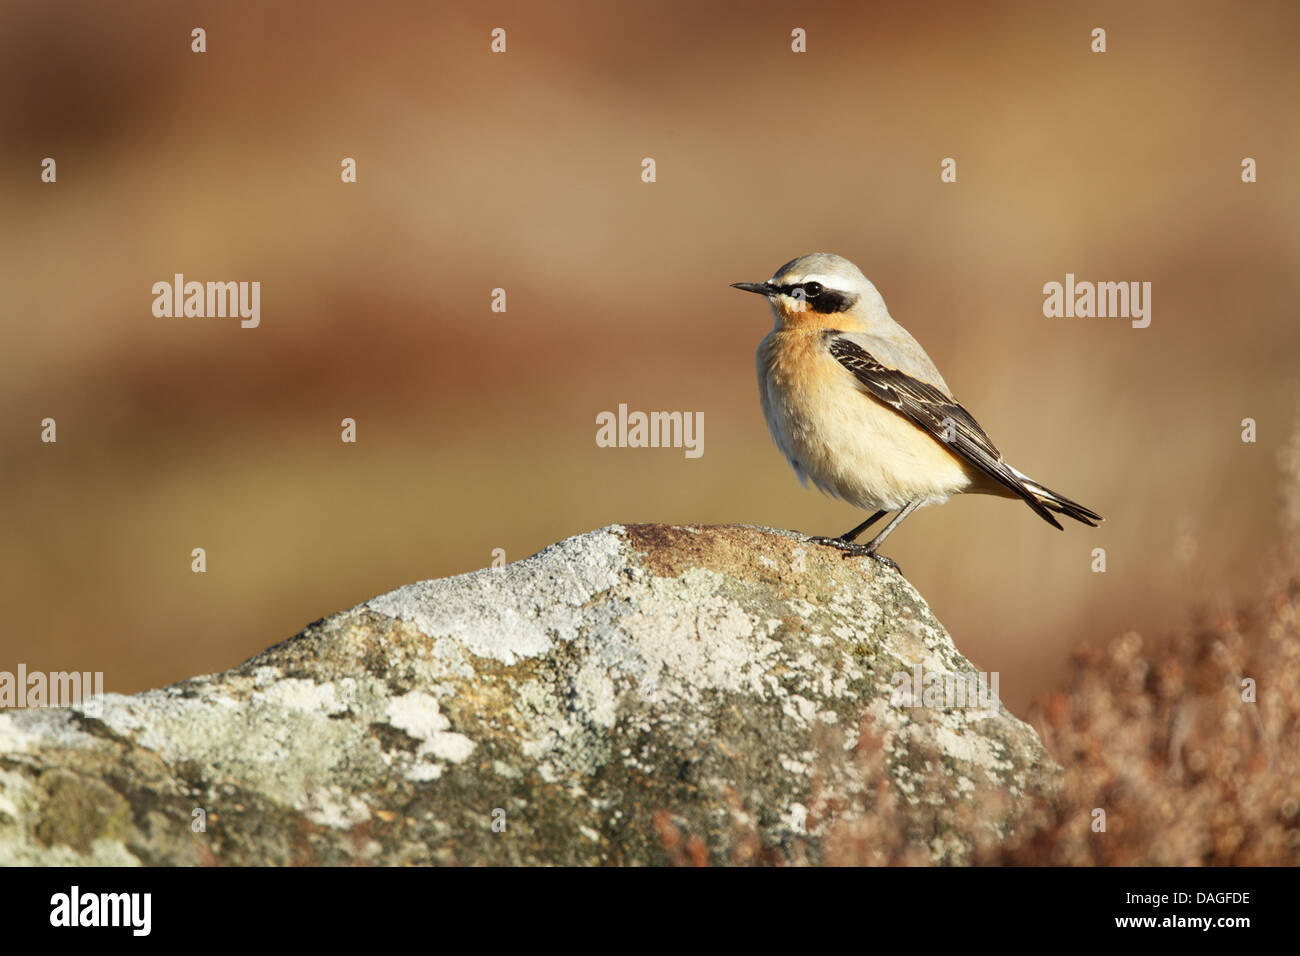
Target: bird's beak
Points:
(762, 288)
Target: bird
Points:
(856, 405)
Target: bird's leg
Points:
(852, 534)
(845, 543)
(847, 537)
(887, 530)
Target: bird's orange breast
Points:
(848, 443)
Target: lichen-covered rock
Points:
(641, 694)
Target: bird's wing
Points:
(937, 413)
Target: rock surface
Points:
(635, 695)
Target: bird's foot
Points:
(887, 562)
(840, 544)
(852, 550)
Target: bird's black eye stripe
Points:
(802, 290)
(821, 299)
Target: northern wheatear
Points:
(855, 404)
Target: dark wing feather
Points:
(932, 410)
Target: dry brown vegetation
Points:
(1159, 737)
(1189, 744)
(1163, 736)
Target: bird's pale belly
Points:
(850, 445)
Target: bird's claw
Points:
(887, 562)
(851, 550)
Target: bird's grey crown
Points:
(832, 271)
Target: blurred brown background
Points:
(522, 171)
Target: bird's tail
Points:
(1054, 501)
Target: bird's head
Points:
(822, 290)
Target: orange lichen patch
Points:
(670, 550)
(756, 554)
